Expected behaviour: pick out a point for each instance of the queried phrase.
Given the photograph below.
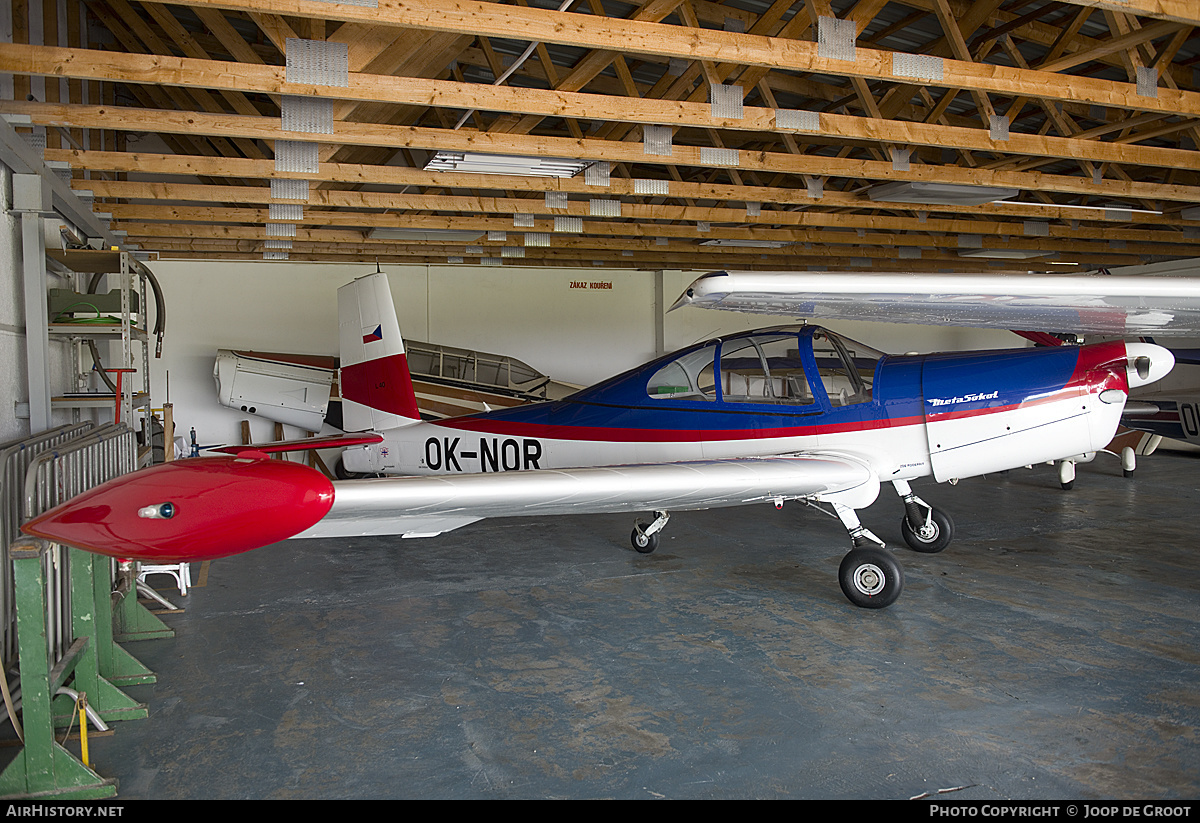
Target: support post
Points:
(660, 314)
(32, 199)
(130, 621)
(91, 614)
(43, 769)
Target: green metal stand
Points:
(43, 768)
(126, 621)
(133, 621)
(91, 620)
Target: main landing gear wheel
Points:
(342, 473)
(642, 542)
(871, 578)
(933, 536)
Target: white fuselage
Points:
(951, 448)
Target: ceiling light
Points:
(1004, 254)
(1096, 207)
(750, 244)
(425, 235)
(939, 194)
(505, 164)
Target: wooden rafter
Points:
(201, 82)
(416, 91)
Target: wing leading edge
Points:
(426, 506)
(1140, 302)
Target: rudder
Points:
(376, 386)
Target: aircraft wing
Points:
(425, 506)
(1117, 303)
(208, 507)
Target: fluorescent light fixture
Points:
(505, 164)
(1004, 254)
(425, 235)
(940, 194)
(749, 244)
(1100, 207)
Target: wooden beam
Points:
(174, 122)
(417, 91)
(601, 263)
(612, 34)
(707, 258)
(1183, 11)
(670, 241)
(166, 164)
(685, 217)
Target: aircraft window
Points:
(687, 377)
(847, 368)
(764, 369)
(490, 371)
(520, 372)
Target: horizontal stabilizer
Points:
(333, 441)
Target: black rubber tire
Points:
(1070, 484)
(643, 543)
(871, 578)
(340, 472)
(943, 535)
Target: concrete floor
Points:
(1049, 653)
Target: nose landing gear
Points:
(925, 529)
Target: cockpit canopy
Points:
(789, 367)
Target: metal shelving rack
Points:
(132, 277)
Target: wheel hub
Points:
(869, 579)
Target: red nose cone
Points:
(189, 510)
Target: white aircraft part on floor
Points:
(290, 393)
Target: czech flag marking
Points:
(373, 336)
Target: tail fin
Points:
(376, 387)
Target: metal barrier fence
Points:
(54, 476)
(15, 457)
(58, 474)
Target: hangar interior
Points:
(547, 199)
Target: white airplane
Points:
(1172, 409)
(785, 414)
(1161, 299)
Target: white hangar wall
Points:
(577, 325)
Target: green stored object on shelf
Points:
(66, 301)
